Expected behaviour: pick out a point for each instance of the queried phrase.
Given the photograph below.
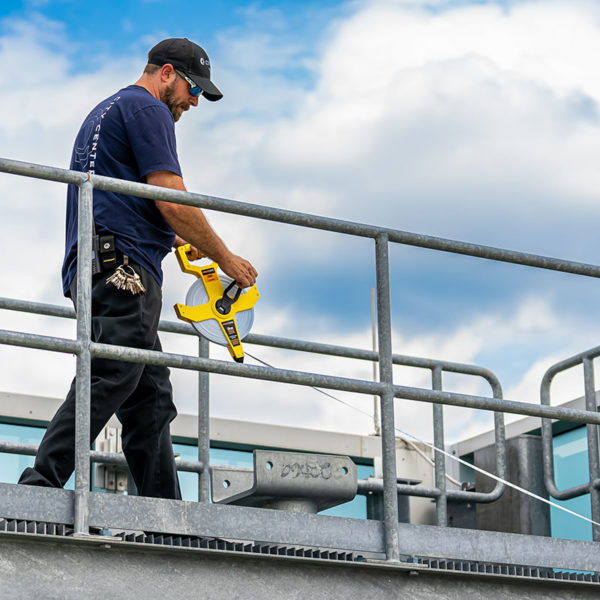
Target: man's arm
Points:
(189, 223)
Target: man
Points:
(131, 135)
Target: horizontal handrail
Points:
(54, 310)
(365, 486)
(183, 361)
(109, 458)
(295, 218)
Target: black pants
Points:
(140, 395)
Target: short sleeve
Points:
(151, 132)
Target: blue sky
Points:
(97, 31)
(469, 120)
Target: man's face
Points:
(177, 97)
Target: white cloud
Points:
(484, 110)
(566, 386)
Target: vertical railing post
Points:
(592, 442)
(388, 429)
(203, 424)
(83, 372)
(547, 437)
(441, 502)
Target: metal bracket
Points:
(287, 481)
(112, 478)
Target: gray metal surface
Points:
(515, 512)
(441, 501)
(203, 424)
(36, 503)
(235, 522)
(386, 376)
(229, 482)
(83, 369)
(314, 482)
(253, 524)
(592, 445)
(491, 546)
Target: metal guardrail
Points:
(592, 486)
(438, 493)
(84, 349)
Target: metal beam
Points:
(235, 522)
(28, 502)
(492, 546)
(254, 524)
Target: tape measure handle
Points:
(184, 263)
(223, 305)
(237, 294)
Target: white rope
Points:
(452, 456)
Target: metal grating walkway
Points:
(466, 566)
(236, 546)
(259, 548)
(186, 541)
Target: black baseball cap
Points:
(189, 58)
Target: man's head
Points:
(182, 73)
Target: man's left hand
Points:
(193, 253)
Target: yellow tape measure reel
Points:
(211, 309)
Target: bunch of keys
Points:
(125, 278)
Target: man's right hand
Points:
(240, 269)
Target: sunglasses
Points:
(195, 90)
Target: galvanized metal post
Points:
(441, 502)
(376, 411)
(388, 429)
(83, 373)
(203, 424)
(592, 441)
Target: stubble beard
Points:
(175, 107)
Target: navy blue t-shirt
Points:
(127, 136)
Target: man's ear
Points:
(167, 72)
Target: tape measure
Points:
(215, 306)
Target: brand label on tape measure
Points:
(232, 334)
(210, 274)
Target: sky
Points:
(471, 120)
